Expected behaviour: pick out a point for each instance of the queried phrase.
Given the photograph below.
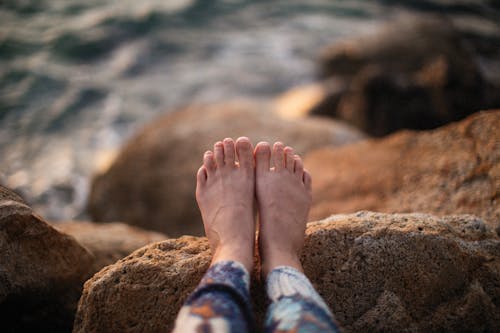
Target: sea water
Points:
(78, 77)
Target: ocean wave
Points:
(77, 78)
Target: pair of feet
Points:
(228, 182)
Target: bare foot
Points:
(284, 198)
(225, 195)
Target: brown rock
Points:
(143, 291)
(401, 46)
(451, 170)
(41, 270)
(8, 195)
(298, 102)
(414, 73)
(151, 184)
(109, 242)
(378, 272)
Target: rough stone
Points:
(414, 73)
(451, 170)
(143, 291)
(378, 272)
(7, 195)
(41, 270)
(109, 242)
(151, 183)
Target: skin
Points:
(228, 182)
(225, 194)
(283, 191)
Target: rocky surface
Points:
(8, 195)
(378, 272)
(415, 73)
(143, 291)
(451, 170)
(109, 242)
(151, 183)
(41, 270)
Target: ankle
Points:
(231, 253)
(280, 259)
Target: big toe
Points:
(244, 150)
(262, 157)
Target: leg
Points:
(283, 190)
(225, 194)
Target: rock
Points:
(109, 242)
(401, 46)
(8, 195)
(450, 170)
(415, 272)
(151, 183)
(415, 73)
(41, 270)
(144, 290)
(298, 101)
(378, 272)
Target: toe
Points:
(289, 161)
(299, 166)
(278, 156)
(229, 151)
(201, 176)
(262, 157)
(209, 162)
(307, 180)
(244, 150)
(219, 154)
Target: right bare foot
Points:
(225, 195)
(283, 191)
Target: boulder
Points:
(41, 270)
(378, 272)
(151, 184)
(8, 195)
(414, 73)
(451, 170)
(109, 242)
(299, 101)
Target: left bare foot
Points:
(225, 195)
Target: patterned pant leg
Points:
(296, 306)
(220, 303)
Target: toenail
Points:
(244, 143)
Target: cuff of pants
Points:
(227, 274)
(220, 303)
(296, 306)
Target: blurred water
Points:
(78, 77)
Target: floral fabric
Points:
(221, 303)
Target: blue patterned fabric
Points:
(221, 303)
(295, 304)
